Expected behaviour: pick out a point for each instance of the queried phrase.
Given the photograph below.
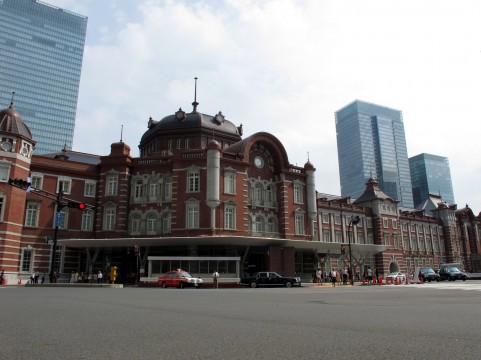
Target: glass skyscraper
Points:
(371, 142)
(430, 174)
(41, 52)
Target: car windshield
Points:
(184, 274)
(428, 271)
(453, 269)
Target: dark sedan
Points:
(452, 273)
(269, 278)
(428, 274)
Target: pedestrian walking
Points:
(215, 278)
(319, 276)
(99, 277)
(333, 277)
(338, 277)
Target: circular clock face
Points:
(258, 162)
(6, 146)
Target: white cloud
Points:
(285, 67)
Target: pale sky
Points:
(285, 67)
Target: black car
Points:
(428, 274)
(451, 273)
(269, 278)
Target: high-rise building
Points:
(430, 174)
(41, 51)
(371, 143)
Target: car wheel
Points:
(253, 284)
(164, 285)
(288, 284)
(181, 285)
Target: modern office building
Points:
(371, 143)
(41, 52)
(430, 174)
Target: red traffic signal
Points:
(24, 184)
(76, 205)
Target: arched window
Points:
(152, 223)
(166, 223)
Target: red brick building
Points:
(201, 197)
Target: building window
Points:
(394, 223)
(299, 223)
(192, 213)
(386, 239)
(178, 143)
(269, 195)
(27, 260)
(369, 223)
(229, 217)
(370, 239)
(109, 218)
(166, 223)
(89, 189)
(65, 185)
(396, 242)
(327, 237)
(271, 225)
(1, 208)
(325, 218)
(258, 224)
(36, 181)
(258, 193)
(112, 185)
(337, 219)
(338, 235)
(31, 218)
(385, 223)
(193, 182)
(153, 190)
(151, 224)
(360, 238)
(138, 189)
(87, 220)
(135, 224)
(229, 182)
(187, 143)
(298, 194)
(170, 144)
(168, 188)
(414, 245)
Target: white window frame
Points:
(90, 188)
(229, 216)
(66, 185)
(298, 190)
(166, 223)
(299, 223)
(87, 220)
(229, 182)
(32, 214)
(109, 216)
(112, 181)
(152, 222)
(192, 214)
(31, 254)
(37, 181)
(154, 190)
(193, 180)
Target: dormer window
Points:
(219, 118)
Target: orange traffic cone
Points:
(373, 280)
(407, 280)
(363, 280)
(380, 280)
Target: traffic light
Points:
(20, 183)
(76, 205)
(113, 274)
(343, 251)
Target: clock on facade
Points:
(258, 162)
(6, 146)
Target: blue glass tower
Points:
(430, 174)
(41, 52)
(371, 142)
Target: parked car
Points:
(269, 278)
(395, 275)
(180, 279)
(451, 273)
(428, 274)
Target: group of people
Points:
(335, 276)
(91, 278)
(35, 277)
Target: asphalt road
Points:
(371, 322)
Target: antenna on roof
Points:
(121, 132)
(11, 101)
(195, 103)
(308, 156)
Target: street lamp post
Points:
(354, 221)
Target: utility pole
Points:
(60, 205)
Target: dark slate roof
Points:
(11, 123)
(372, 192)
(74, 156)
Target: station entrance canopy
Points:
(316, 246)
